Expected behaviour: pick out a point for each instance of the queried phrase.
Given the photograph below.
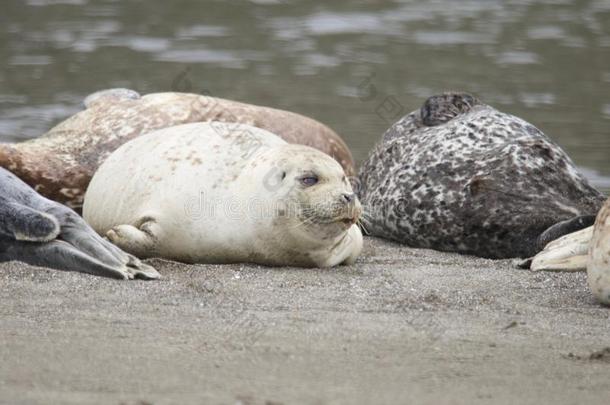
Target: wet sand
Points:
(401, 326)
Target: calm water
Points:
(546, 61)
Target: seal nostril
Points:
(348, 198)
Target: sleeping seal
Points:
(60, 164)
(458, 175)
(40, 232)
(225, 193)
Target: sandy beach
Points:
(400, 326)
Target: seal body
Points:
(458, 175)
(225, 193)
(60, 164)
(41, 232)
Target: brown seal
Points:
(60, 164)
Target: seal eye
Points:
(309, 180)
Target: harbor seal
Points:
(225, 193)
(598, 263)
(587, 249)
(458, 175)
(40, 232)
(60, 164)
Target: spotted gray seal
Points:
(225, 193)
(60, 164)
(41, 232)
(458, 175)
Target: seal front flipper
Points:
(78, 234)
(568, 253)
(563, 228)
(139, 240)
(27, 224)
(563, 246)
(110, 95)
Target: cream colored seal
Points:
(225, 193)
(598, 263)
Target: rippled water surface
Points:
(546, 61)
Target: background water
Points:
(546, 61)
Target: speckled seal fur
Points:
(458, 175)
(41, 232)
(60, 164)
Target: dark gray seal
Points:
(458, 175)
(41, 232)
